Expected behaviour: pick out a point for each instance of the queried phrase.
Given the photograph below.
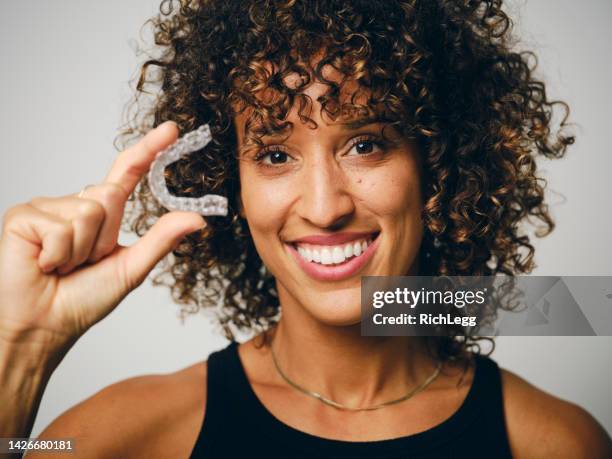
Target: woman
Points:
(352, 138)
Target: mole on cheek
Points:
(359, 180)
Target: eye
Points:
(272, 156)
(365, 145)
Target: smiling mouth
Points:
(334, 255)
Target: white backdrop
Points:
(64, 83)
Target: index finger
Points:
(133, 162)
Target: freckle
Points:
(359, 180)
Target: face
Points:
(328, 205)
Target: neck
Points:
(342, 365)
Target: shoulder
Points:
(145, 416)
(542, 425)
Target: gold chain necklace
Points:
(340, 406)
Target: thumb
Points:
(170, 229)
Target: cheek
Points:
(392, 191)
(264, 203)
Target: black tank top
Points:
(237, 425)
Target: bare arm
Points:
(25, 370)
(543, 426)
(142, 417)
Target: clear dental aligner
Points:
(209, 204)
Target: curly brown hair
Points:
(445, 73)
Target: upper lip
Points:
(333, 239)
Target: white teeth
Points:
(337, 255)
(328, 255)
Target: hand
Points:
(61, 268)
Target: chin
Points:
(336, 308)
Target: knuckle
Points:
(91, 207)
(8, 215)
(11, 215)
(38, 200)
(113, 192)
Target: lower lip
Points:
(335, 272)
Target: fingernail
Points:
(202, 225)
(166, 122)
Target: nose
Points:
(325, 199)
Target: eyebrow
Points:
(360, 122)
(347, 125)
